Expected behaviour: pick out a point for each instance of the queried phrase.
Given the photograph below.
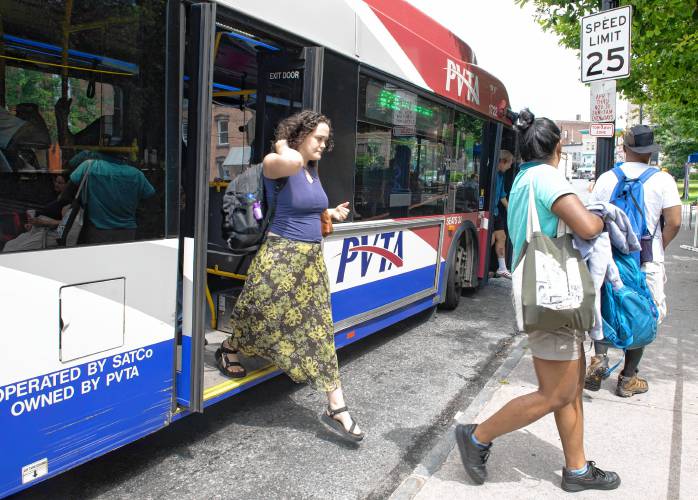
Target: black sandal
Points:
(328, 419)
(223, 363)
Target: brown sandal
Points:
(328, 419)
(223, 363)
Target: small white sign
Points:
(602, 129)
(603, 101)
(34, 471)
(605, 44)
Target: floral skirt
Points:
(283, 313)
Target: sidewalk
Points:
(651, 440)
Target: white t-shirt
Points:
(660, 192)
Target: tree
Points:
(677, 133)
(664, 61)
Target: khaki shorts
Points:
(656, 277)
(561, 345)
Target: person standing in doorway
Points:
(499, 236)
(661, 202)
(283, 313)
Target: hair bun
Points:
(524, 120)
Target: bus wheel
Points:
(454, 281)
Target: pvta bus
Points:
(109, 335)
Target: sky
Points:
(537, 72)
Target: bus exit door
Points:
(242, 84)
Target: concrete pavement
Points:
(651, 440)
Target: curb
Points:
(433, 460)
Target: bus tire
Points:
(470, 281)
(454, 280)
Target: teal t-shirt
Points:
(549, 184)
(113, 192)
(499, 192)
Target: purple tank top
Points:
(298, 207)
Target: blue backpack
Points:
(629, 196)
(629, 313)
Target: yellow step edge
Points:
(229, 385)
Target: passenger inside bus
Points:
(112, 195)
(401, 178)
(41, 232)
(41, 225)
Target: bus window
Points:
(414, 157)
(465, 158)
(83, 105)
(340, 86)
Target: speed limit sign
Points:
(606, 45)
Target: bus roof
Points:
(392, 36)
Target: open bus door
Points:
(250, 82)
(194, 226)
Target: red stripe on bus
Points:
(386, 254)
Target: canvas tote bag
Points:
(551, 285)
(71, 226)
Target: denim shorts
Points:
(559, 345)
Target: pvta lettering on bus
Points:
(463, 77)
(387, 246)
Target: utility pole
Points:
(605, 146)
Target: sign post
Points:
(605, 52)
(603, 101)
(692, 160)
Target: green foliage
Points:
(676, 172)
(692, 189)
(35, 87)
(663, 65)
(677, 132)
(44, 89)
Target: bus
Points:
(110, 323)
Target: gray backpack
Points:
(243, 232)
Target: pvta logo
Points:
(386, 249)
(464, 77)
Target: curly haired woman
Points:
(283, 313)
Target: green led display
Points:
(390, 100)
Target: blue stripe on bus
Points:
(343, 338)
(67, 424)
(57, 51)
(252, 41)
(363, 298)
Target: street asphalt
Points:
(404, 386)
